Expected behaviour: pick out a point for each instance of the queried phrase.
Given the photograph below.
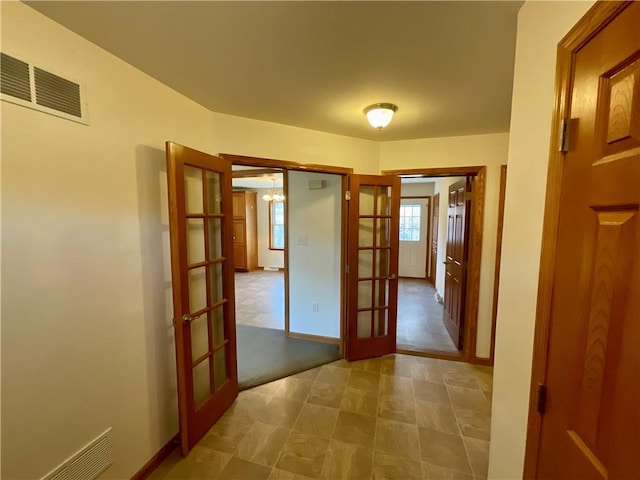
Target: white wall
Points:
(87, 341)
(314, 268)
(489, 150)
(541, 25)
(266, 257)
(417, 189)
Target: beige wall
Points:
(541, 25)
(314, 267)
(87, 340)
(489, 150)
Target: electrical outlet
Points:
(315, 307)
(303, 240)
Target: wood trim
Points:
(408, 197)
(314, 338)
(436, 172)
(596, 18)
(343, 265)
(285, 189)
(255, 172)
(475, 251)
(160, 456)
(496, 275)
(285, 164)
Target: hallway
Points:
(399, 417)
(420, 325)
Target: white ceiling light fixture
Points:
(380, 114)
(273, 195)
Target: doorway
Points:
(287, 224)
(442, 215)
(423, 281)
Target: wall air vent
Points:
(39, 89)
(15, 78)
(87, 464)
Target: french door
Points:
(372, 257)
(200, 219)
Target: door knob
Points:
(393, 276)
(186, 318)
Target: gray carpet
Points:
(265, 354)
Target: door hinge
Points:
(346, 268)
(347, 195)
(542, 399)
(563, 142)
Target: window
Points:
(276, 225)
(410, 222)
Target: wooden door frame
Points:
(428, 233)
(475, 234)
(286, 166)
(496, 275)
(596, 18)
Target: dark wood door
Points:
(455, 279)
(591, 428)
(372, 257)
(200, 219)
(435, 219)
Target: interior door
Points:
(372, 279)
(591, 428)
(455, 278)
(200, 219)
(435, 220)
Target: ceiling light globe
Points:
(380, 114)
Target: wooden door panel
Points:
(592, 425)
(238, 232)
(456, 261)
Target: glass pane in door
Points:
(193, 190)
(374, 244)
(201, 382)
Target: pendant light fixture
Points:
(380, 114)
(273, 195)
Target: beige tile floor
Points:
(420, 319)
(395, 417)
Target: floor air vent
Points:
(88, 463)
(39, 89)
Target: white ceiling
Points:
(447, 65)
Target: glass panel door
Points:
(200, 204)
(373, 265)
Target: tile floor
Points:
(260, 299)
(395, 417)
(420, 325)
